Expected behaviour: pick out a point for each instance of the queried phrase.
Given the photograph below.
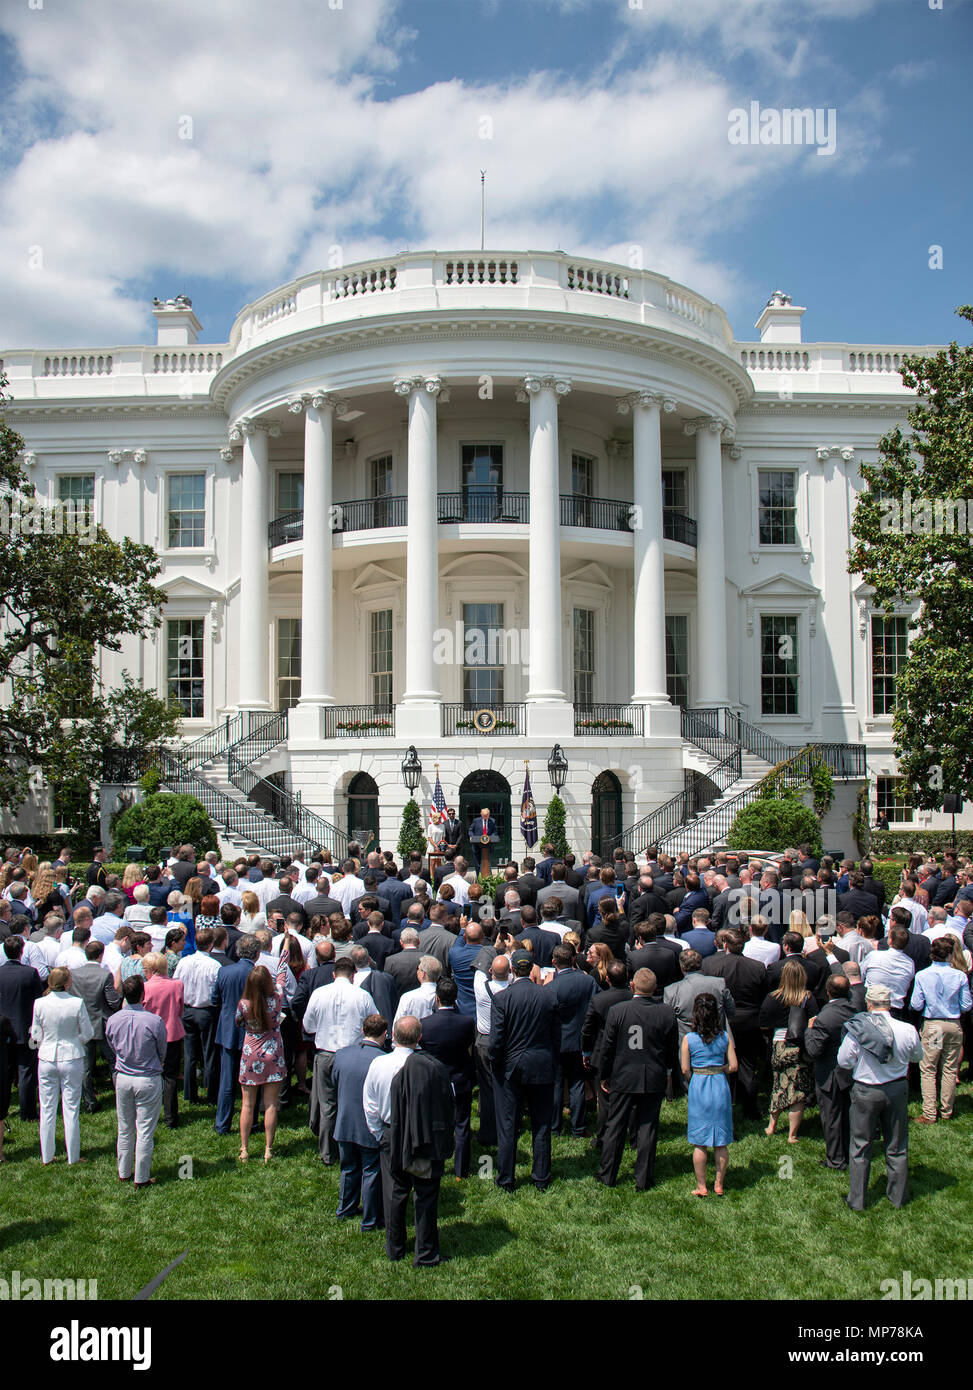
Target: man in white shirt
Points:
(347, 889)
(457, 880)
(31, 953)
(906, 899)
(50, 943)
(334, 1017)
(197, 974)
(892, 968)
(71, 955)
(877, 1050)
(485, 989)
(758, 947)
(377, 1092)
(417, 1003)
(231, 893)
(307, 888)
(939, 925)
(104, 927)
(849, 938)
(961, 919)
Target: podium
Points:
(484, 844)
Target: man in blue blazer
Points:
(227, 991)
(361, 1169)
(483, 824)
(449, 1036)
(573, 991)
(525, 1038)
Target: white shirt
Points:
(484, 1003)
(346, 890)
(679, 942)
(944, 929)
(856, 946)
(759, 948)
(32, 955)
(60, 1027)
(70, 958)
(231, 895)
(252, 924)
(51, 947)
(103, 928)
(418, 1002)
(265, 889)
(138, 916)
(305, 891)
(891, 968)
(920, 917)
(197, 973)
(306, 945)
(335, 1014)
(461, 889)
(557, 929)
(377, 1091)
(865, 1066)
(113, 957)
(159, 932)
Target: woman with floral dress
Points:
(262, 1060)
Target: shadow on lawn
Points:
(26, 1232)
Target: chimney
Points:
(177, 325)
(780, 321)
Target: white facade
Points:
(580, 449)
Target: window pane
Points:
(76, 487)
(184, 665)
(584, 656)
(889, 644)
(778, 664)
(290, 493)
(677, 659)
(483, 653)
(288, 662)
(892, 797)
(674, 493)
(187, 509)
(582, 475)
(380, 655)
(777, 508)
(381, 476)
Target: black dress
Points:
(793, 1078)
(8, 1064)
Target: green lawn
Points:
(256, 1232)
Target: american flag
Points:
(438, 800)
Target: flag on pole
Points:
(528, 814)
(438, 800)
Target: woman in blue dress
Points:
(707, 1056)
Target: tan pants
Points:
(942, 1044)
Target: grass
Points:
(269, 1232)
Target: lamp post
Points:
(411, 769)
(557, 767)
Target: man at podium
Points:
(483, 824)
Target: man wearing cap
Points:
(877, 1050)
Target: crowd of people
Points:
(389, 997)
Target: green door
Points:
(363, 811)
(606, 813)
(486, 789)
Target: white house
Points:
(478, 505)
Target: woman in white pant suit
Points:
(60, 1029)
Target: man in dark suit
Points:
(321, 905)
(641, 1047)
(873, 885)
(572, 877)
(856, 900)
(916, 947)
(645, 901)
(227, 992)
(746, 980)
(452, 830)
(361, 1171)
(573, 991)
(449, 1036)
(542, 942)
(483, 824)
(545, 864)
(695, 896)
(650, 955)
(322, 973)
(93, 986)
(808, 863)
(376, 943)
(821, 1043)
(792, 944)
(20, 985)
(97, 873)
(826, 954)
(371, 899)
(593, 1035)
(284, 903)
(525, 1038)
(367, 974)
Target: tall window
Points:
(187, 510)
(380, 655)
(482, 654)
(677, 659)
(184, 665)
(778, 507)
(380, 482)
(778, 664)
(890, 638)
(893, 798)
(582, 475)
(76, 487)
(290, 493)
(288, 662)
(584, 656)
(674, 493)
(482, 474)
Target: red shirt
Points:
(164, 998)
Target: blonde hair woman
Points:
(61, 1031)
(252, 918)
(134, 874)
(44, 892)
(28, 862)
(798, 922)
(786, 1013)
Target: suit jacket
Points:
(348, 1073)
(478, 828)
(614, 937)
(689, 904)
(593, 1028)
(682, 996)
(309, 981)
(383, 993)
(542, 941)
(321, 906)
(227, 991)
(20, 985)
(285, 905)
(661, 960)
(573, 991)
(452, 832)
(821, 1042)
(95, 988)
(448, 1036)
(641, 908)
(384, 907)
(525, 1033)
(569, 897)
(401, 969)
(816, 974)
(437, 941)
(379, 947)
(746, 980)
(859, 902)
(641, 1046)
(876, 887)
(945, 893)
(543, 870)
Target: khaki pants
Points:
(942, 1043)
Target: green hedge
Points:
(78, 868)
(165, 818)
(775, 823)
(886, 842)
(890, 873)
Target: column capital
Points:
(247, 426)
(317, 400)
(29, 458)
(432, 385)
(714, 424)
(532, 385)
(832, 451)
(734, 451)
(117, 456)
(625, 404)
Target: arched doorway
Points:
(363, 810)
(486, 789)
(606, 812)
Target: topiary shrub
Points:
(775, 823)
(165, 818)
(412, 834)
(554, 827)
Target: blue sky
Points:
(220, 150)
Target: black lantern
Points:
(411, 769)
(557, 767)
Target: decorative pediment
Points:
(373, 576)
(590, 574)
(182, 587)
(781, 586)
(482, 564)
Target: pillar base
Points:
(554, 720)
(419, 722)
(663, 721)
(306, 722)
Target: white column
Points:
(839, 716)
(649, 609)
(253, 643)
(711, 660)
(418, 716)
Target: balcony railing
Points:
(483, 720)
(484, 507)
(359, 721)
(618, 720)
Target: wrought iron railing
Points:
(677, 526)
(359, 721)
(715, 730)
(370, 514)
(699, 790)
(247, 724)
(483, 506)
(286, 529)
(707, 729)
(616, 720)
(600, 513)
(483, 720)
(311, 830)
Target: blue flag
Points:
(528, 815)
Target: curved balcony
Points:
(487, 506)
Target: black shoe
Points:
(431, 1264)
(503, 1187)
(835, 1167)
(542, 1186)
